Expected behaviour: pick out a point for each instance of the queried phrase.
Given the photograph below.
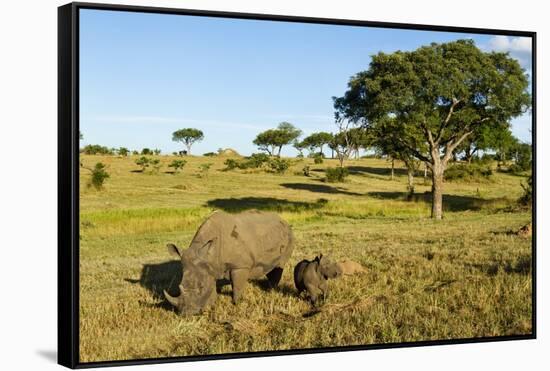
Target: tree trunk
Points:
(188, 149)
(425, 171)
(410, 180)
(437, 190)
(392, 168)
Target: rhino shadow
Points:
(158, 277)
(167, 276)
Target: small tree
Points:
(146, 151)
(155, 163)
(273, 140)
(99, 174)
(157, 151)
(204, 168)
(188, 136)
(177, 165)
(144, 162)
(123, 151)
(317, 141)
(299, 146)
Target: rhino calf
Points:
(234, 247)
(312, 276)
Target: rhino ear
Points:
(173, 250)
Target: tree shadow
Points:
(319, 188)
(136, 171)
(368, 170)
(264, 203)
(364, 170)
(450, 202)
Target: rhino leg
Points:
(274, 277)
(314, 293)
(239, 279)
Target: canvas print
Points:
(253, 185)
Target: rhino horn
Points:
(174, 301)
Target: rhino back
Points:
(257, 240)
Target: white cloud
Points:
(518, 47)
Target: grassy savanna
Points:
(468, 275)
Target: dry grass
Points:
(466, 276)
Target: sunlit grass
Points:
(466, 276)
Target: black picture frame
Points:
(68, 179)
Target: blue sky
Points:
(143, 76)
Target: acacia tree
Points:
(188, 136)
(273, 140)
(317, 140)
(440, 94)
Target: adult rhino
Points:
(234, 247)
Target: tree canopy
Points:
(273, 140)
(188, 136)
(438, 95)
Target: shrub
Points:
(98, 176)
(256, 160)
(155, 163)
(305, 170)
(279, 165)
(146, 151)
(157, 151)
(144, 162)
(123, 151)
(468, 172)
(204, 169)
(318, 158)
(231, 164)
(527, 198)
(177, 165)
(210, 154)
(336, 174)
(96, 149)
(135, 153)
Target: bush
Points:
(210, 154)
(318, 158)
(231, 164)
(144, 162)
(135, 153)
(157, 152)
(204, 169)
(305, 170)
(146, 151)
(467, 172)
(177, 165)
(155, 163)
(279, 165)
(256, 160)
(98, 176)
(336, 174)
(96, 149)
(527, 198)
(123, 151)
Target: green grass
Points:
(466, 276)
